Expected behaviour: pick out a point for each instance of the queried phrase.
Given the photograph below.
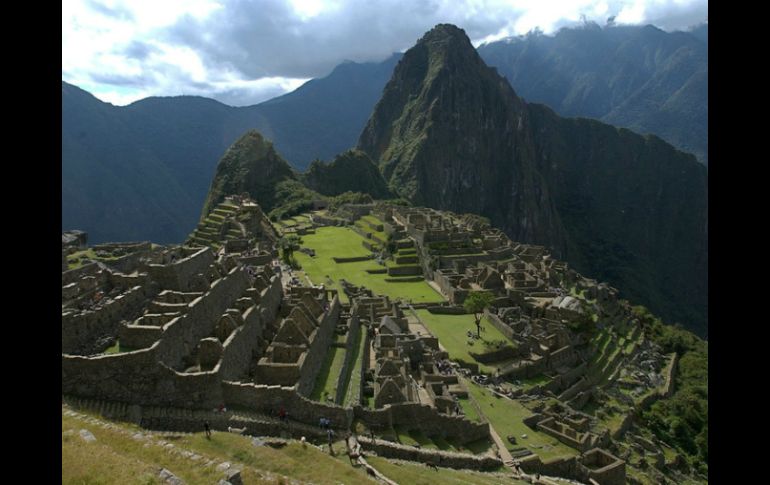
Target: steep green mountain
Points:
(251, 165)
(450, 133)
(350, 171)
(637, 77)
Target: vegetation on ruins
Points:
(475, 303)
(681, 420)
(288, 244)
(350, 171)
(292, 198)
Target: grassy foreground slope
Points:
(124, 453)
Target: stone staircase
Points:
(209, 231)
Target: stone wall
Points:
(574, 390)
(351, 342)
(625, 425)
(446, 310)
(239, 348)
(505, 353)
(353, 259)
(314, 358)
(258, 260)
(499, 324)
(138, 378)
(73, 275)
(425, 418)
(404, 270)
(80, 330)
(129, 262)
(269, 400)
(139, 336)
(668, 387)
(123, 246)
(181, 336)
(177, 275)
(439, 458)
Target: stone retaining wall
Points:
(269, 400)
(239, 348)
(425, 418)
(351, 342)
(315, 355)
(499, 324)
(181, 335)
(438, 458)
(176, 276)
(446, 310)
(79, 330)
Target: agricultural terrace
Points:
(452, 332)
(343, 242)
(506, 415)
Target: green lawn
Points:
(73, 260)
(451, 331)
(117, 348)
(329, 242)
(326, 382)
(469, 409)
(506, 415)
(354, 380)
(416, 474)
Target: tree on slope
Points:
(475, 303)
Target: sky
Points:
(243, 52)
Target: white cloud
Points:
(239, 51)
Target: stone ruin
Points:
(199, 328)
(192, 330)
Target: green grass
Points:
(506, 416)
(73, 260)
(451, 331)
(326, 382)
(469, 409)
(415, 474)
(117, 348)
(344, 242)
(535, 381)
(354, 383)
(116, 458)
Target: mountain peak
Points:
(444, 33)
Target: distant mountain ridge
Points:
(641, 78)
(142, 171)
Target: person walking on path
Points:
(207, 428)
(330, 434)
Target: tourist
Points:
(207, 428)
(283, 415)
(330, 435)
